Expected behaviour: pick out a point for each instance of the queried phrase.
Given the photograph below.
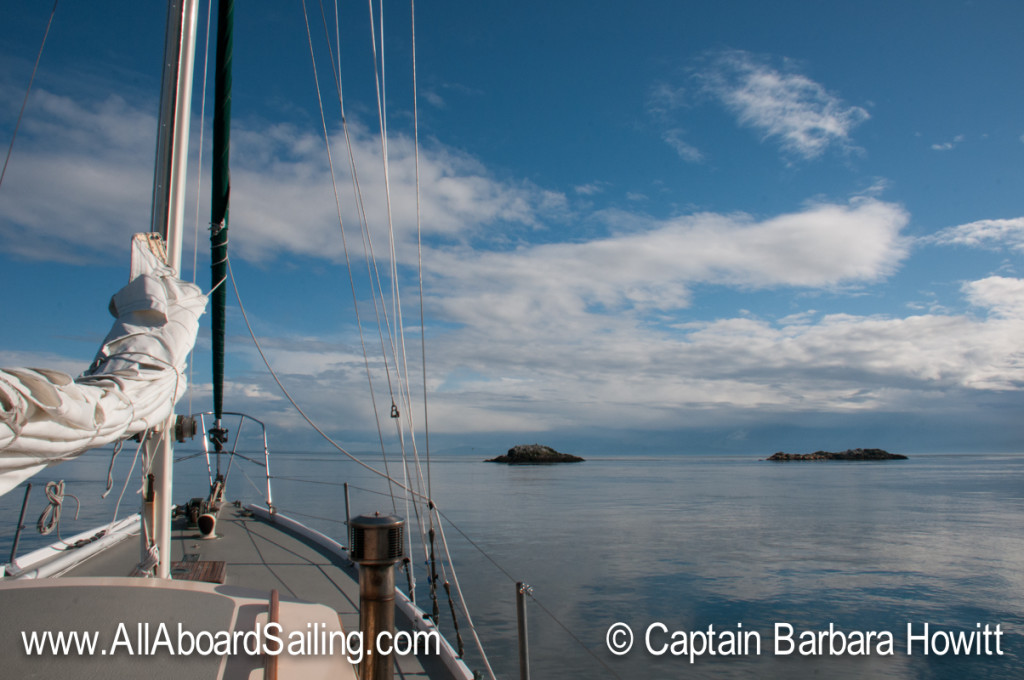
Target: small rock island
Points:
(849, 454)
(534, 454)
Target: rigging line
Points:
(473, 543)
(199, 186)
(398, 343)
(289, 512)
(564, 627)
(406, 394)
(444, 544)
(199, 155)
(361, 212)
(419, 521)
(373, 273)
(236, 454)
(407, 406)
(182, 459)
(367, 241)
(371, 268)
(419, 256)
(305, 480)
(350, 486)
(416, 508)
(380, 81)
(245, 474)
(418, 477)
(513, 579)
(337, 41)
(341, 225)
(462, 600)
(291, 400)
(24, 103)
(398, 331)
(419, 245)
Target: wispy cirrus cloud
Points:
(589, 189)
(948, 146)
(663, 104)
(688, 152)
(784, 104)
(991, 234)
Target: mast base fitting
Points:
(218, 437)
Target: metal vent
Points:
(376, 539)
(355, 543)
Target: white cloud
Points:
(433, 98)
(665, 97)
(1003, 296)
(662, 103)
(947, 146)
(591, 189)
(652, 264)
(686, 151)
(621, 373)
(875, 357)
(282, 181)
(80, 185)
(556, 335)
(992, 234)
(56, 362)
(561, 333)
(789, 106)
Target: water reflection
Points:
(698, 541)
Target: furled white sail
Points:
(133, 384)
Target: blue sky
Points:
(648, 227)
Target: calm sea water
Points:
(690, 542)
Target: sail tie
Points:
(150, 561)
(110, 470)
(50, 519)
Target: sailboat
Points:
(206, 588)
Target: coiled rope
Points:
(50, 518)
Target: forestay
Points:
(133, 384)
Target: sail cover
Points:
(133, 384)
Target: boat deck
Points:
(257, 555)
(251, 555)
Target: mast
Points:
(167, 220)
(219, 210)
(172, 138)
